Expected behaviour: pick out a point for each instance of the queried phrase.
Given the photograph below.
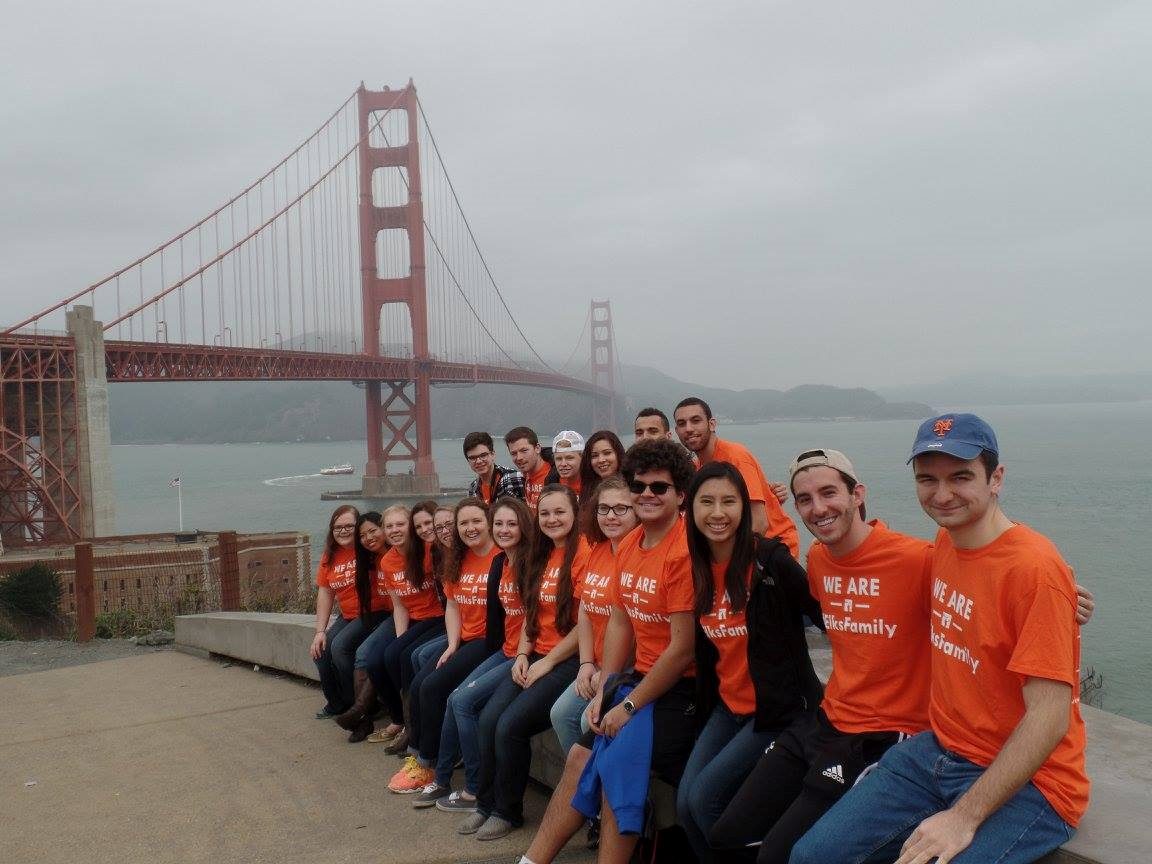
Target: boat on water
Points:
(346, 468)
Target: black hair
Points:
(655, 412)
(694, 400)
(414, 556)
(663, 455)
(366, 564)
(477, 439)
(589, 479)
(990, 461)
(743, 549)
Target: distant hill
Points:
(216, 412)
(1030, 390)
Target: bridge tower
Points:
(603, 365)
(398, 412)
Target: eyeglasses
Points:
(440, 529)
(659, 487)
(620, 510)
(343, 529)
(479, 457)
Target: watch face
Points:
(628, 706)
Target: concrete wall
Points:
(93, 432)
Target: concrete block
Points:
(276, 640)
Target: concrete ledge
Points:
(276, 640)
(1116, 829)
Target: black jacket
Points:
(785, 683)
(494, 613)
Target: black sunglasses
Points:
(659, 487)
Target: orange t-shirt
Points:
(339, 576)
(471, 592)
(728, 631)
(780, 523)
(572, 483)
(547, 634)
(513, 610)
(381, 599)
(534, 483)
(422, 603)
(874, 602)
(653, 584)
(1002, 614)
(596, 593)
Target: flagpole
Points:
(180, 505)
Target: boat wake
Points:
(294, 480)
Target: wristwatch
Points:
(629, 707)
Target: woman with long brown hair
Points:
(545, 665)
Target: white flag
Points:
(175, 481)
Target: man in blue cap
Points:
(1000, 775)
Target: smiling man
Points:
(696, 428)
(1001, 772)
(492, 481)
(529, 459)
(567, 451)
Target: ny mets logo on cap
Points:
(964, 436)
(942, 427)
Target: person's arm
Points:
(520, 664)
(587, 676)
(324, 601)
(452, 626)
(759, 518)
(564, 649)
(1047, 705)
(618, 643)
(400, 617)
(665, 672)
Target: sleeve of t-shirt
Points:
(323, 574)
(679, 595)
(1046, 634)
(754, 479)
(580, 568)
(613, 568)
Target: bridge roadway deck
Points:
(166, 757)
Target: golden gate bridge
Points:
(351, 259)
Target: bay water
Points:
(1080, 474)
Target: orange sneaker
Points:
(411, 778)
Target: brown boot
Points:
(354, 717)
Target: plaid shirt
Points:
(508, 481)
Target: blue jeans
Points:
(429, 652)
(913, 780)
(344, 637)
(724, 755)
(462, 721)
(385, 663)
(568, 717)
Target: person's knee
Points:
(574, 762)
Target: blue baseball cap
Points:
(964, 436)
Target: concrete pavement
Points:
(166, 757)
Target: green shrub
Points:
(32, 592)
(121, 624)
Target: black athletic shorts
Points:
(835, 759)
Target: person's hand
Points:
(614, 721)
(587, 680)
(448, 652)
(1085, 605)
(780, 491)
(319, 643)
(537, 671)
(593, 710)
(940, 838)
(520, 669)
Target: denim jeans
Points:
(913, 780)
(428, 698)
(335, 664)
(429, 652)
(386, 659)
(568, 717)
(724, 754)
(462, 720)
(507, 723)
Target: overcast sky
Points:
(858, 194)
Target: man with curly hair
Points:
(644, 719)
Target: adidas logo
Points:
(835, 772)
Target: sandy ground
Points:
(157, 756)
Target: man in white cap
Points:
(567, 450)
